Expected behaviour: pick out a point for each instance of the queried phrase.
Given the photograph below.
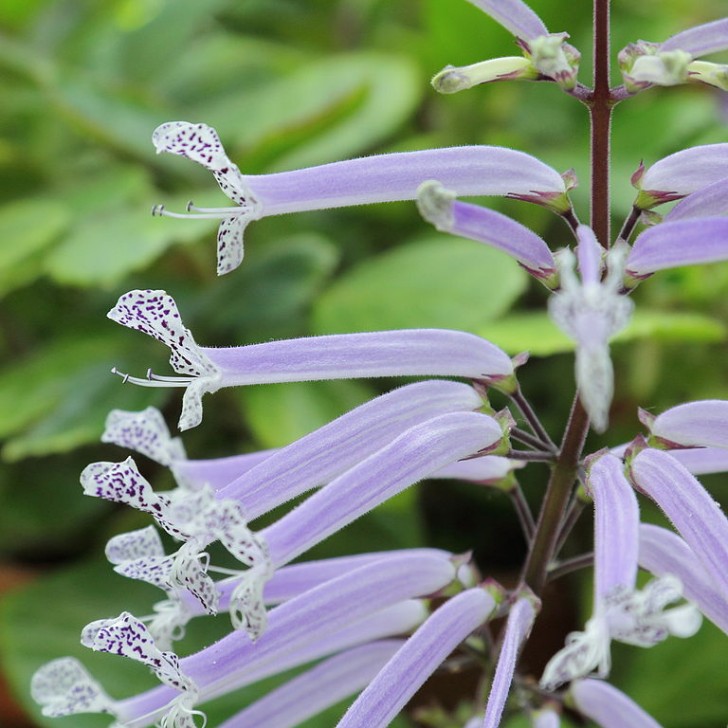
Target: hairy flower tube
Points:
(383, 178)
(621, 612)
(410, 352)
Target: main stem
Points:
(563, 476)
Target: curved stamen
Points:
(204, 213)
(153, 380)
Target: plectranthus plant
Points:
(373, 627)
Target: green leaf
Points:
(281, 413)
(434, 281)
(331, 109)
(27, 229)
(108, 245)
(537, 334)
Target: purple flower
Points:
(384, 178)
(439, 206)
(621, 612)
(591, 311)
(680, 174)
(695, 515)
(520, 620)
(607, 706)
(402, 676)
(693, 424)
(409, 352)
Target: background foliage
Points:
(287, 84)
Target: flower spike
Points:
(366, 180)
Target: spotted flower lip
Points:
(680, 174)
(408, 352)
(408, 669)
(440, 207)
(607, 706)
(301, 621)
(473, 170)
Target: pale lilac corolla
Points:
(408, 352)
(471, 170)
(607, 706)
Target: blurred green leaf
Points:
(278, 414)
(27, 228)
(331, 109)
(433, 281)
(537, 334)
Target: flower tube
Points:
(439, 207)
(664, 552)
(318, 688)
(693, 424)
(710, 201)
(607, 706)
(518, 627)
(621, 612)
(409, 352)
(674, 244)
(695, 515)
(680, 174)
(382, 178)
(590, 311)
(428, 647)
(224, 666)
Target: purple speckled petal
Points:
(230, 247)
(701, 423)
(318, 688)
(64, 687)
(409, 458)
(518, 626)
(134, 545)
(663, 552)
(616, 527)
(683, 242)
(710, 201)
(683, 173)
(331, 450)
(439, 207)
(695, 515)
(700, 40)
(515, 16)
(127, 636)
(145, 432)
(403, 675)
(609, 707)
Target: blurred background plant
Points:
(289, 84)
